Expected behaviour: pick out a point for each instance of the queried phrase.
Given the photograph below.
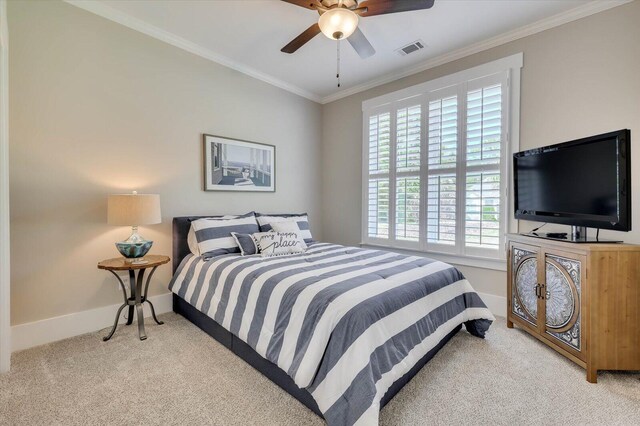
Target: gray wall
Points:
(97, 108)
(578, 79)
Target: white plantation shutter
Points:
(435, 168)
(484, 125)
(407, 170)
(379, 143)
(483, 201)
(482, 210)
(441, 209)
(379, 162)
(408, 208)
(443, 133)
(408, 125)
(379, 208)
(442, 140)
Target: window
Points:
(436, 163)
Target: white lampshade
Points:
(133, 209)
(338, 23)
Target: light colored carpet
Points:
(182, 376)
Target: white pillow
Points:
(278, 243)
(289, 227)
(266, 221)
(256, 236)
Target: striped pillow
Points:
(265, 221)
(214, 235)
(192, 241)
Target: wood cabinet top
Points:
(121, 264)
(567, 245)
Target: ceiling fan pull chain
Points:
(338, 64)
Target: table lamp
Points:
(132, 210)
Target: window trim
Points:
(421, 94)
(474, 261)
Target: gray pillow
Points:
(246, 243)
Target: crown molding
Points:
(574, 14)
(101, 9)
(588, 9)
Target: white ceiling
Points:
(248, 35)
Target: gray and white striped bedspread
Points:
(344, 323)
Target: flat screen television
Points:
(583, 183)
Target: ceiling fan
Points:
(339, 20)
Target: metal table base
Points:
(134, 300)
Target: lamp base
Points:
(135, 247)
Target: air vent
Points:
(411, 48)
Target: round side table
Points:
(136, 297)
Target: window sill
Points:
(455, 259)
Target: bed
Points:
(341, 329)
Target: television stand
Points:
(580, 299)
(578, 235)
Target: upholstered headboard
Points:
(181, 227)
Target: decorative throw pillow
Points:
(256, 236)
(278, 243)
(266, 220)
(246, 243)
(289, 227)
(214, 235)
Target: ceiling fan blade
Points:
(360, 43)
(303, 38)
(381, 7)
(308, 4)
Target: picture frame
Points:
(238, 165)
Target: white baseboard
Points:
(49, 330)
(496, 304)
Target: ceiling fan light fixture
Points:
(338, 23)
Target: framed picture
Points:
(237, 165)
